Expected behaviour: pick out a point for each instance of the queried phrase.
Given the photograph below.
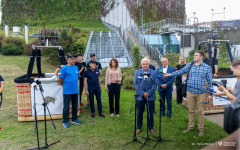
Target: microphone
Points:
(160, 71)
(145, 76)
(148, 75)
(211, 91)
(139, 79)
(192, 62)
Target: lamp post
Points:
(194, 17)
(224, 13)
(212, 14)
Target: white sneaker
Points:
(112, 114)
(117, 115)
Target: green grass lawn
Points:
(93, 133)
(78, 24)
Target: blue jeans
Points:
(67, 99)
(166, 95)
(141, 106)
(97, 93)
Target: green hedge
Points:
(13, 46)
(127, 77)
(38, 12)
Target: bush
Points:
(136, 56)
(28, 48)
(173, 58)
(102, 77)
(127, 77)
(128, 82)
(13, 46)
(72, 42)
(1, 41)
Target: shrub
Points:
(28, 48)
(136, 56)
(1, 41)
(102, 78)
(13, 46)
(128, 82)
(172, 57)
(127, 77)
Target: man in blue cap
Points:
(69, 77)
(92, 86)
(98, 66)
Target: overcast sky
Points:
(202, 8)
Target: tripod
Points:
(148, 116)
(159, 138)
(135, 125)
(46, 146)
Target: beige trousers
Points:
(195, 101)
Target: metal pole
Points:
(224, 13)
(142, 20)
(212, 14)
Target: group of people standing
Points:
(147, 80)
(89, 75)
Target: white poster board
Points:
(219, 100)
(53, 94)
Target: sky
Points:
(203, 11)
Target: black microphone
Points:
(192, 62)
(147, 74)
(139, 79)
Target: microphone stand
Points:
(135, 125)
(148, 117)
(35, 115)
(46, 146)
(159, 138)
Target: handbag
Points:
(184, 85)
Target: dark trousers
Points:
(97, 93)
(114, 90)
(179, 93)
(67, 99)
(166, 95)
(141, 105)
(81, 85)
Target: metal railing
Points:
(153, 52)
(172, 25)
(128, 41)
(87, 47)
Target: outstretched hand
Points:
(166, 74)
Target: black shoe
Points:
(101, 115)
(169, 116)
(162, 115)
(154, 112)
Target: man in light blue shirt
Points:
(199, 74)
(69, 76)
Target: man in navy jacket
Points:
(165, 87)
(145, 83)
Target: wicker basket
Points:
(25, 104)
